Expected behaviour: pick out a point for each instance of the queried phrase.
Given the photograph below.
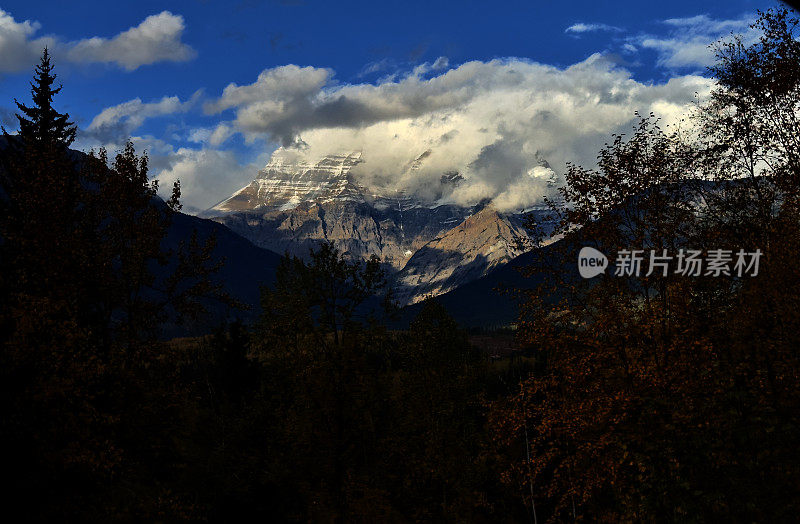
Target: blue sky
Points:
(547, 79)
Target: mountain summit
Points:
(283, 184)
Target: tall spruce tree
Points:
(40, 124)
(39, 179)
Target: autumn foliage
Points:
(674, 398)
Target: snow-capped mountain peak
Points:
(283, 184)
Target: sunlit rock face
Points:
(282, 185)
(464, 253)
(427, 248)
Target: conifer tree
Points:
(40, 123)
(38, 227)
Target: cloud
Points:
(206, 175)
(493, 121)
(590, 28)
(688, 43)
(279, 102)
(206, 172)
(213, 136)
(440, 63)
(18, 49)
(220, 134)
(375, 67)
(703, 24)
(116, 123)
(156, 39)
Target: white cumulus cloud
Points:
(18, 47)
(493, 122)
(207, 175)
(118, 122)
(156, 39)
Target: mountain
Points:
(427, 248)
(484, 302)
(246, 268)
(477, 245)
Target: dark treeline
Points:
(663, 398)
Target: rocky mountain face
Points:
(426, 248)
(357, 229)
(477, 245)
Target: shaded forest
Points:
(659, 398)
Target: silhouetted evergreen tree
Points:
(40, 125)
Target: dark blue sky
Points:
(361, 43)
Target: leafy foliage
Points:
(671, 396)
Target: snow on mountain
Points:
(284, 185)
